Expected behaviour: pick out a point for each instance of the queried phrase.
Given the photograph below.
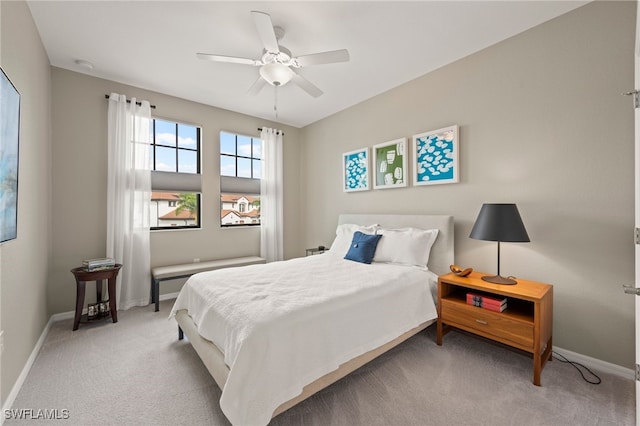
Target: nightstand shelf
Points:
(526, 324)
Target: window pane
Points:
(244, 146)
(174, 209)
(257, 147)
(165, 133)
(257, 169)
(244, 167)
(239, 209)
(187, 161)
(165, 159)
(227, 165)
(187, 136)
(227, 143)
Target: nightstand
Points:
(316, 250)
(82, 276)
(526, 324)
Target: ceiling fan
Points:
(277, 63)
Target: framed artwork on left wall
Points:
(355, 170)
(9, 140)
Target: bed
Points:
(276, 324)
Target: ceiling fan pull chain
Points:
(275, 100)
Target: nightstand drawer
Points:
(497, 324)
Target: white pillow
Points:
(406, 246)
(344, 236)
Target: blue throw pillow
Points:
(363, 247)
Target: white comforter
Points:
(285, 324)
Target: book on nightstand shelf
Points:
(494, 308)
(491, 303)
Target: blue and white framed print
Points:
(436, 157)
(9, 140)
(390, 164)
(355, 170)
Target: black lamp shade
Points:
(499, 222)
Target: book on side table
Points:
(495, 304)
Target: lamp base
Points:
(498, 279)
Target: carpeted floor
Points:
(137, 372)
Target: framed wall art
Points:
(390, 164)
(436, 157)
(355, 170)
(9, 138)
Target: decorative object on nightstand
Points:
(500, 223)
(461, 272)
(316, 250)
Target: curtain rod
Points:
(129, 101)
(281, 132)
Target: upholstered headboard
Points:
(441, 255)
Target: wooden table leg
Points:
(156, 292)
(98, 291)
(112, 299)
(537, 368)
(79, 302)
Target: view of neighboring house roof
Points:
(232, 198)
(225, 212)
(164, 196)
(184, 215)
(252, 214)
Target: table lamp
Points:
(501, 223)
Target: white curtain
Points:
(128, 198)
(271, 196)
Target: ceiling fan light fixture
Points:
(276, 74)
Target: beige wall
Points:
(24, 262)
(542, 124)
(79, 114)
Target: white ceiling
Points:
(152, 45)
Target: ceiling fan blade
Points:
(333, 56)
(265, 31)
(229, 59)
(306, 85)
(257, 86)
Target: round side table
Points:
(82, 276)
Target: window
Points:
(240, 156)
(240, 171)
(175, 176)
(174, 210)
(175, 147)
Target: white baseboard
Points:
(8, 403)
(596, 364)
(65, 315)
(168, 296)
